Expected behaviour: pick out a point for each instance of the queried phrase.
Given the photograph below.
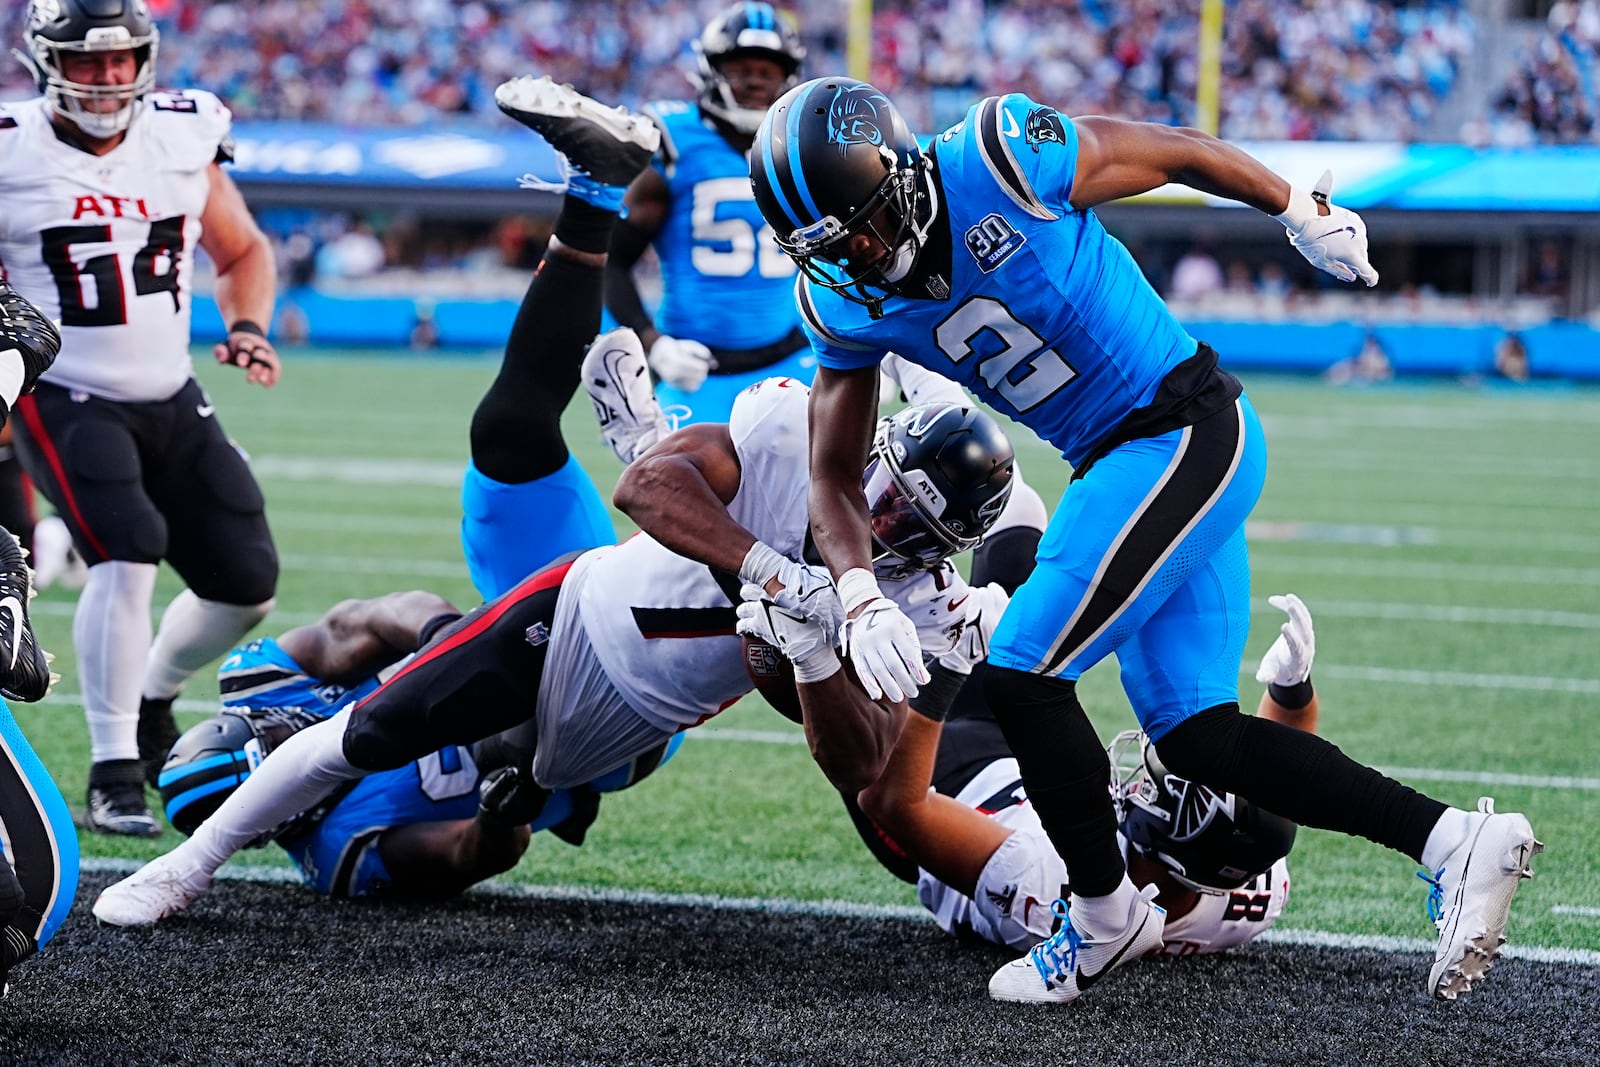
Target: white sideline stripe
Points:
(1574, 909)
(359, 471)
(1446, 613)
(1368, 567)
(422, 568)
(843, 909)
(1457, 679)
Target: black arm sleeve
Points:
(628, 243)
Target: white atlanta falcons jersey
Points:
(105, 244)
(663, 625)
(1015, 889)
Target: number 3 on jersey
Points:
(92, 292)
(1013, 358)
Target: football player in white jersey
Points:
(950, 815)
(107, 187)
(603, 658)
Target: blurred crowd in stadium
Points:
(1292, 69)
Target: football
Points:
(773, 676)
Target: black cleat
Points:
(158, 732)
(609, 144)
(24, 666)
(116, 800)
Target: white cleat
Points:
(609, 144)
(161, 888)
(617, 379)
(1471, 898)
(1066, 964)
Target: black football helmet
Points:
(214, 757)
(753, 29)
(938, 477)
(834, 158)
(1210, 841)
(57, 26)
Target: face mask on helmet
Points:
(755, 30)
(214, 757)
(1209, 841)
(834, 160)
(938, 477)
(58, 28)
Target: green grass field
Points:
(1446, 538)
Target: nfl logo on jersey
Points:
(537, 634)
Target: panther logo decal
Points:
(1044, 124)
(853, 116)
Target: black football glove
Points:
(508, 797)
(25, 330)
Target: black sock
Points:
(583, 226)
(516, 430)
(1303, 777)
(1066, 772)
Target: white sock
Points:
(193, 633)
(111, 633)
(295, 776)
(1448, 834)
(1104, 917)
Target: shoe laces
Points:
(564, 172)
(1057, 955)
(1435, 893)
(676, 415)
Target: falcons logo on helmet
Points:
(1198, 805)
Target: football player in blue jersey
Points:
(983, 259)
(38, 845)
(428, 829)
(726, 306)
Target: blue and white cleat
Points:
(1066, 963)
(1471, 898)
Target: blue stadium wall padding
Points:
(1312, 347)
(474, 323)
(1563, 350)
(1419, 349)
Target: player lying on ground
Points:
(428, 829)
(593, 662)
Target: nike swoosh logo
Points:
(1087, 980)
(13, 607)
(205, 411)
(1351, 230)
(954, 604)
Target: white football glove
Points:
(802, 642)
(681, 363)
(1335, 242)
(883, 647)
(1288, 661)
(984, 608)
(807, 591)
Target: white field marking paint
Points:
(372, 523)
(1444, 613)
(1464, 420)
(1453, 573)
(1553, 468)
(1528, 683)
(1574, 909)
(831, 909)
(356, 471)
(66, 609)
(1339, 533)
(416, 568)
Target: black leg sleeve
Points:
(1303, 777)
(1066, 772)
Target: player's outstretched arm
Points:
(1286, 668)
(247, 280)
(355, 639)
(437, 860)
(1118, 158)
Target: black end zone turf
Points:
(271, 974)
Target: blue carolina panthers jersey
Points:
(724, 282)
(1048, 318)
(262, 675)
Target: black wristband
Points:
(1293, 697)
(933, 700)
(430, 629)
(248, 326)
